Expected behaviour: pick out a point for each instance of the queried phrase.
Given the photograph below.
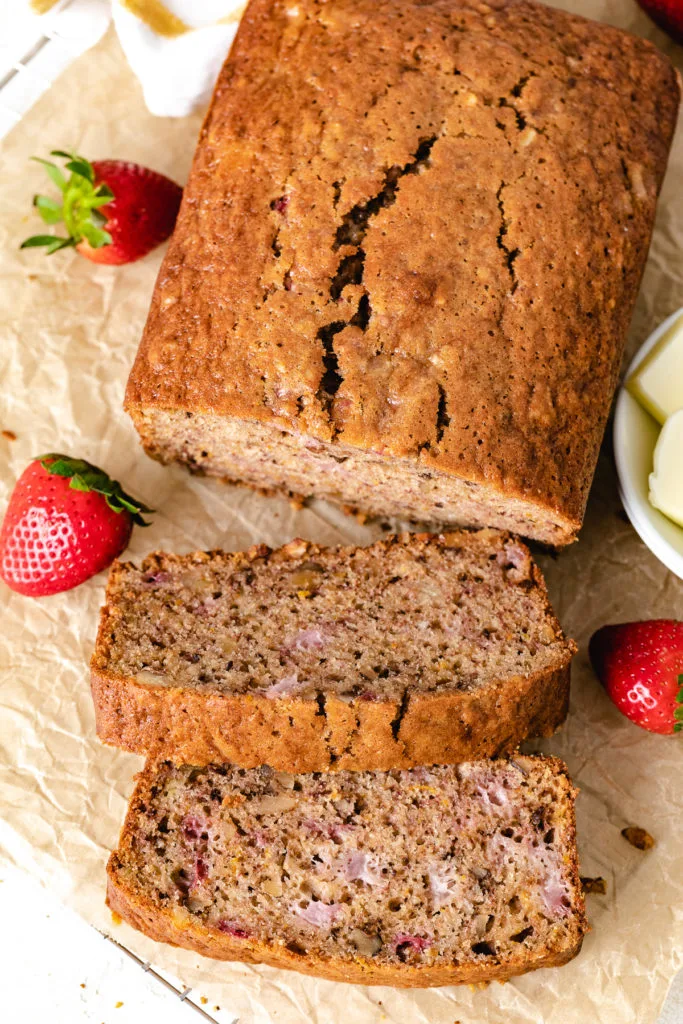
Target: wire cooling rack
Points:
(183, 994)
(34, 49)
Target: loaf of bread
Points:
(412, 878)
(418, 650)
(407, 259)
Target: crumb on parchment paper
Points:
(638, 837)
(594, 885)
(9, 435)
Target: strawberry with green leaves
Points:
(66, 520)
(113, 211)
(640, 664)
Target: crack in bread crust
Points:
(194, 728)
(441, 321)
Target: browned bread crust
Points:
(132, 905)
(129, 896)
(410, 297)
(291, 735)
(324, 730)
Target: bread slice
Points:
(418, 650)
(425, 877)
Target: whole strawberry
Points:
(113, 211)
(640, 664)
(66, 520)
(668, 14)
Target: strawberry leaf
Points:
(100, 200)
(95, 236)
(54, 172)
(64, 465)
(51, 241)
(124, 502)
(98, 218)
(81, 167)
(80, 199)
(77, 482)
(59, 243)
(83, 476)
(48, 215)
(678, 711)
(49, 209)
(36, 240)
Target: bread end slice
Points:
(452, 875)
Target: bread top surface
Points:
(417, 228)
(415, 613)
(415, 868)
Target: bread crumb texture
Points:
(418, 649)
(418, 877)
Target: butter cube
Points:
(666, 482)
(657, 384)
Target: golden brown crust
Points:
(141, 913)
(191, 727)
(490, 355)
(131, 903)
(195, 727)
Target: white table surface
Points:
(56, 969)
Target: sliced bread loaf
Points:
(412, 878)
(418, 650)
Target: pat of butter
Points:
(657, 384)
(666, 482)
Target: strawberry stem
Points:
(83, 476)
(79, 209)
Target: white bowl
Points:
(635, 435)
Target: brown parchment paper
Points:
(68, 334)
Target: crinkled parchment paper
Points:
(68, 334)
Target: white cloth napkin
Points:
(176, 48)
